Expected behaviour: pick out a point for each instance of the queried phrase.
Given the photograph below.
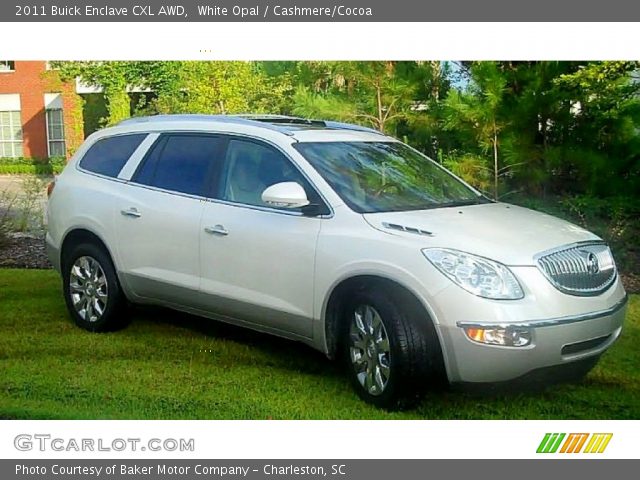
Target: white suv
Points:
(334, 235)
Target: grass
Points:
(167, 365)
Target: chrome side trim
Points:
(280, 211)
(550, 322)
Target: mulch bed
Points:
(24, 251)
(631, 282)
(27, 251)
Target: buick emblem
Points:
(592, 263)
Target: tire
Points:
(91, 289)
(395, 371)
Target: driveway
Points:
(13, 184)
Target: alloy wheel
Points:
(369, 349)
(88, 288)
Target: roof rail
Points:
(237, 119)
(351, 126)
(177, 117)
(278, 123)
(288, 120)
(283, 119)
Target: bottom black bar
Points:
(534, 469)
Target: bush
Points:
(23, 211)
(31, 166)
(23, 169)
(7, 202)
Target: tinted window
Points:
(108, 156)
(252, 167)
(386, 176)
(180, 163)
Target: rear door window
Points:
(181, 163)
(108, 155)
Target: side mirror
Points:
(285, 195)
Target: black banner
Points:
(318, 11)
(531, 469)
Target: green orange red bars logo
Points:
(574, 443)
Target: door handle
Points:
(131, 212)
(217, 230)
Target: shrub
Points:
(7, 202)
(22, 212)
(25, 169)
(31, 166)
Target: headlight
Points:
(480, 276)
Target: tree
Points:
(533, 127)
(370, 93)
(424, 126)
(221, 88)
(479, 110)
(117, 78)
(601, 145)
(181, 86)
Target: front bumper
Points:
(554, 341)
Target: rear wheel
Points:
(390, 349)
(91, 289)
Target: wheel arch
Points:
(79, 235)
(339, 294)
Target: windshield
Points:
(386, 176)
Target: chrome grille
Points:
(583, 269)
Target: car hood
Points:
(507, 233)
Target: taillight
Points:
(50, 187)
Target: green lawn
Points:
(167, 365)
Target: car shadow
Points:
(297, 357)
(283, 353)
(537, 381)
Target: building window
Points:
(7, 66)
(10, 134)
(55, 132)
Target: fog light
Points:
(507, 337)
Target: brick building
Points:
(40, 116)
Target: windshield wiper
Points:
(463, 203)
(409, 208)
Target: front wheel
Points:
(390, 349)
(369, 350)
